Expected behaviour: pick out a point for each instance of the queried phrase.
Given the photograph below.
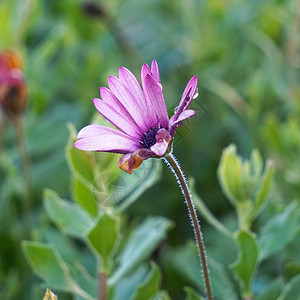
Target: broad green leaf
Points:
(66, 215)
(246, 263)
(80, 162)
(185, 260)
(272, 291)
(84, 197)
(48, 265)
(142, 242)
(279, 231)
(134, 185)
(149, 286)
(192, 294)
(103, 238)
(125, 288)
(291, 290)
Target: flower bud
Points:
(13, 88)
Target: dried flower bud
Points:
(13, 88)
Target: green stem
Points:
(174, 166)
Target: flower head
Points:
(13, 89)
(139, 114)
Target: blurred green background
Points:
(246, 56)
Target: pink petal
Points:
(117, 119)
(152, 115)
(102, 138)
(154, 92)
(163, 139)
(174, 124)
(129, 80)
(184, 115)
(160, 148)
(155, 70)
(129, 102)
(186, 98)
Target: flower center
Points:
(148, 139)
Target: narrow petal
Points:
(186, 98)
(129, 80)
(117, 119)
(177, 123)
(128, 100)
(102, 138)
(184, 115)
(150, 108)
(154, 91)
(155, 70)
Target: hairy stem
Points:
(174, 166)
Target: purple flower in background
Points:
(145, 129)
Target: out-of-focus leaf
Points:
(48, 265)
(272, 291)
(125, 288)
(84, 197)
(185, 259)
(279, 231)
(149, 286)
(191, 294)
(229, 173)
(161, 295)
(142, 242)
(103, 238)
(69, 217)
(134, 185)
(80, 162)
(246, 263)
(291, 290)
(264, 189)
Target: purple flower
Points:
(140, 115)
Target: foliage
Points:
(241, 150)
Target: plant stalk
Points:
(175, 167)
(102, 293)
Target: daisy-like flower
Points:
(139, 114)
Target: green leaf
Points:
(272, 291)
(48, 265)
(185, 260)
(245, 265)
(229, 173)
(80, 162)
(103, 238)
(66, 215)
(291, 290)
(264, 189)
(135, 185)
(84, 197)
(149, 286)
(279, 231)
(142, 242)
(161, 295)
(192, 294)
